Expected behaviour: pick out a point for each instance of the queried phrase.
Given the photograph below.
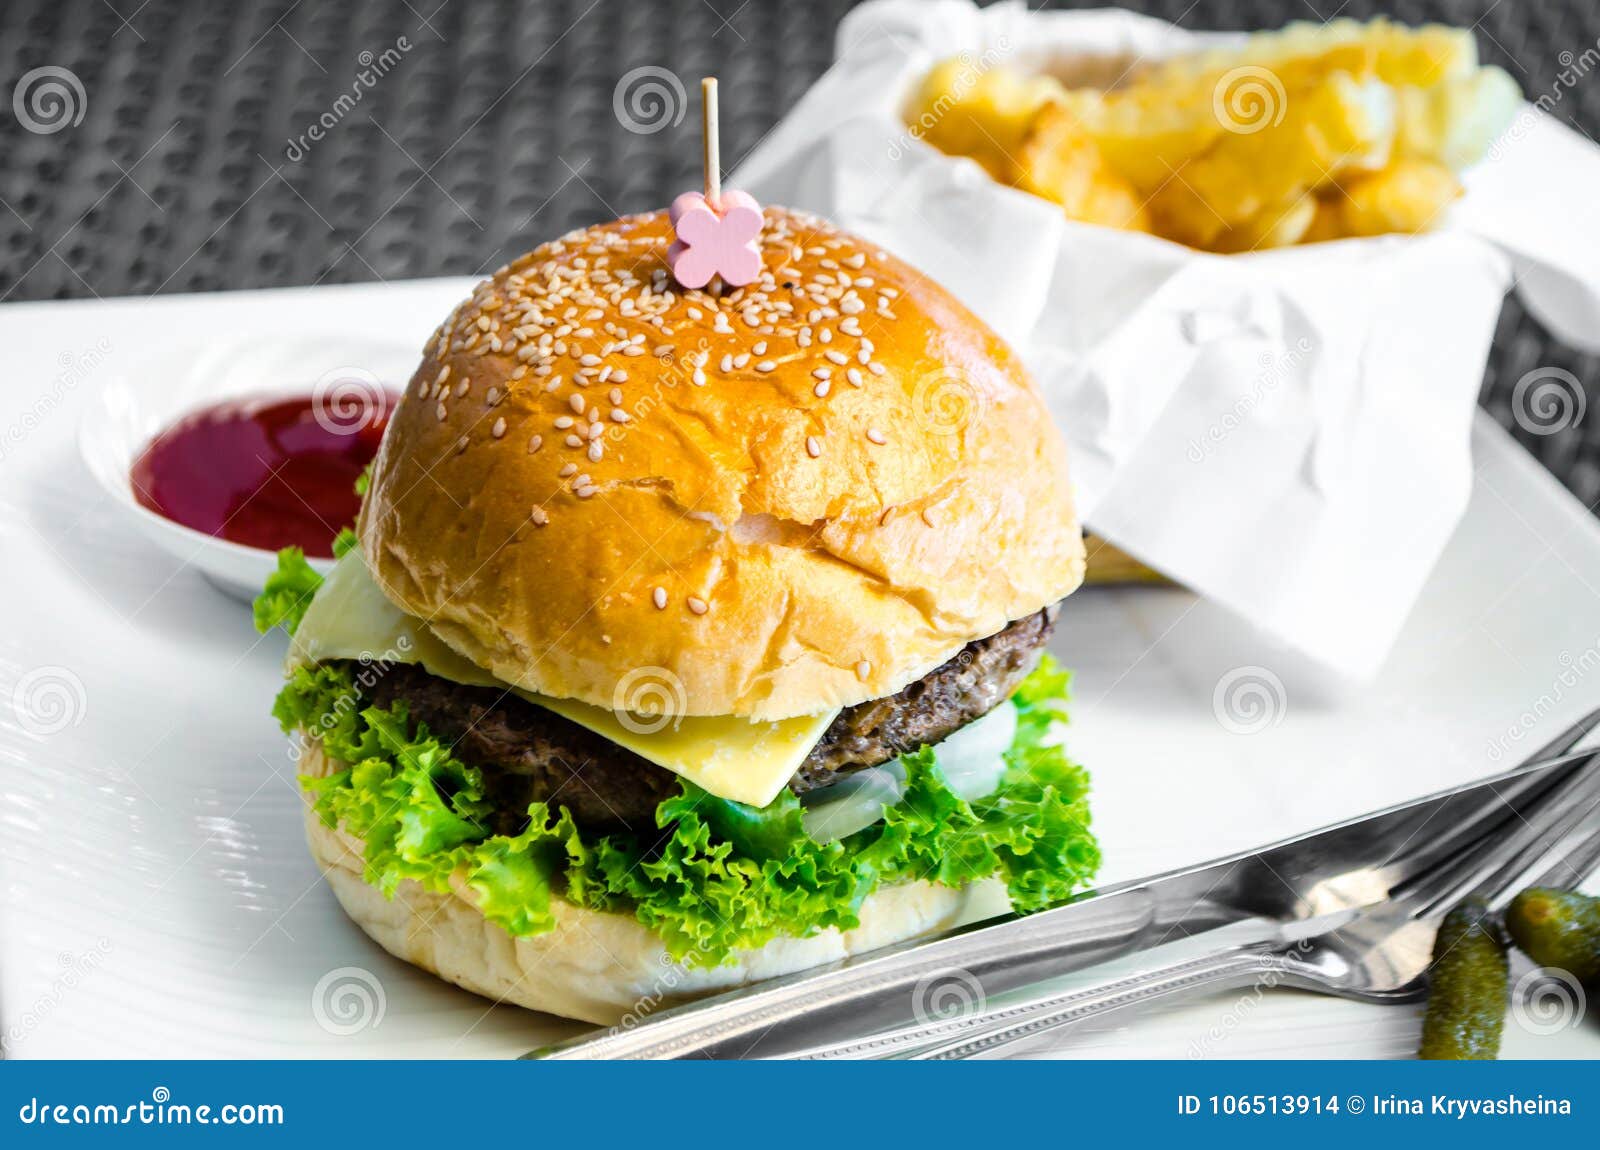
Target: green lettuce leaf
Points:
(287, 594)
(721, 876)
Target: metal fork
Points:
(1375, 954)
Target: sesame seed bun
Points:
(594, 966)
(790, 497)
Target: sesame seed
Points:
(727, 363)
(659, 598)
(876, 368)
(876, 436)
(574, 441)
(826, 335)
(535, 443)
(699, 378)
(539, 516)
(615, 396)
(852, 305)
(854, 376)
(813, 446)
(618, 415)
(698, 605)
(461, 444)
(499, 428)
(568, 470)
(597, 450)
(760, 348)
(741, 359)
(461, 388)
(563, 422)
(596, 429)
(766, 365)
(444, 374)
(837, 357)
(585, 492)
(863, 670)
(577, 403)
(633, 349)
(619, 376)
(822, 373)
(590, 360)
(822, 389)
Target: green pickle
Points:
(1469, 987)
(1558, 928)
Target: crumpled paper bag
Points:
(1285, 432)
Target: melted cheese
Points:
(731, 757)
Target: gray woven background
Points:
(495, 130)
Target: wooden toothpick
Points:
(713, 147)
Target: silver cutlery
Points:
(1378, 954)
(1293, 884)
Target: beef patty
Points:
(528, 754)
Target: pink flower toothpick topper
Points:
(715, 234)
(715, 243)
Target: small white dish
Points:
(157, 390)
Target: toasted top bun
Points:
(791, 497)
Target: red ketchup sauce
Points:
(267, 473)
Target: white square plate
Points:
(156, 898)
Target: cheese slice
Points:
(730, 756)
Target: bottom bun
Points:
(598, 967)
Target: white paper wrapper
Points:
(1285, 432)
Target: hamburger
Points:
(691, 637)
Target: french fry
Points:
(1302, 54)
(1408, 196)
(982, 113)
(1310, 133)
(1325, 223)
(1060, 161)
(1273, 153)
(1455, 122)
(1277, 226)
